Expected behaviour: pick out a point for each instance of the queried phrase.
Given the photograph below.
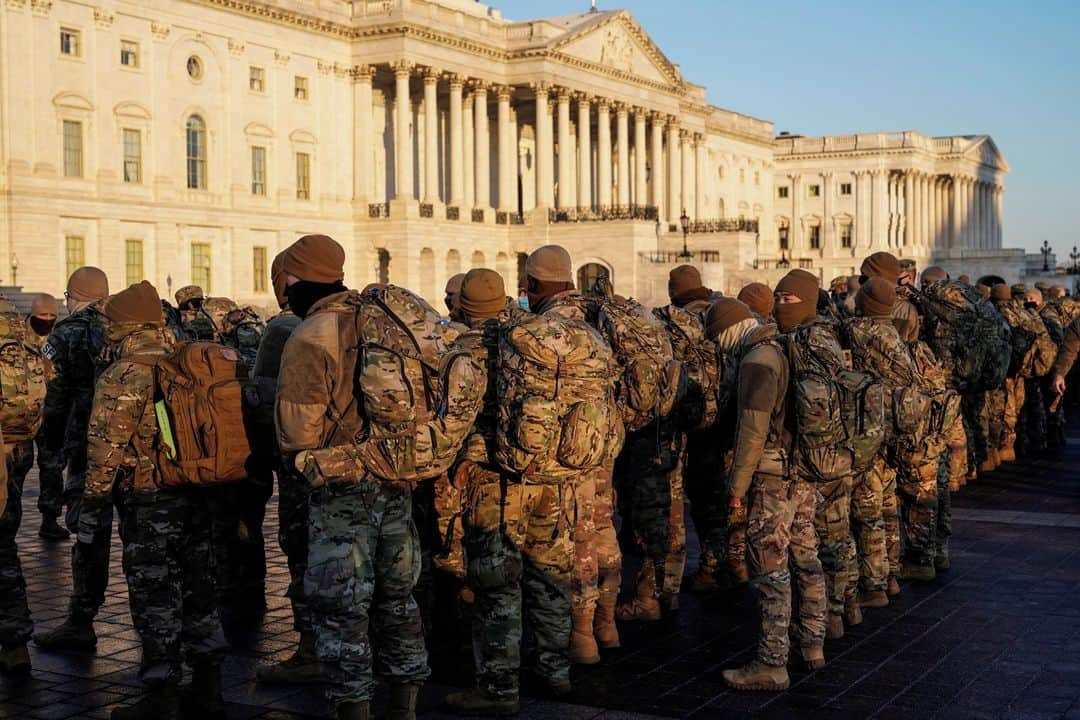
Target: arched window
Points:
(196, 153)
(589, 273)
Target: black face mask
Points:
(41, 327)
(1031, 305)
(302, 295)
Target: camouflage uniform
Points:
(837, 549)
(15, 623)
(1054, 320)
(868, 523)
(166, 533)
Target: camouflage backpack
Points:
(207, 322)
(839, 413)
(966, 334)
(24, 373)
(242, 330)
(946, 401)
(701, 405)
(558, 414)
(651, 380)
(1040, 358)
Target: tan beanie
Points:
(1000, 292)
(137, 304)
(682, 280)
(483, 294)
(44, 304)
(88, 284)
(934, 274)
(550, 263)
(277, 279)
(876, 298)
(966, 279)
(316, 258)
(801, 284)
(758, 297)
(187, 294)
(722, 314)
(1057, 292)
(883, 265)
(453, 285)
(983, 290)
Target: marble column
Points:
(603, 151)
(584, 142)
(641, 190)
(999, 229)
(622, 145)
(482, 146)
(988, 216)
(881, 205)
(909, 208)
(862, 209)
(566, 153)
(674, 173)
(924, 201)
(431, 136)
(795, 228)
(827, 211)
(686, 146)
(362, 139)
(700, 211)
(545, 152)
(657, 195)
(955, 199)
(468, 153)
(457, 139)
(403, 174)
(507, 153)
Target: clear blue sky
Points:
(1007, 68)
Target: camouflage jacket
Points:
(569, 304)
(905, 316)
(761, 416)
(1052, 319)
(267, 364)
(1070, 346)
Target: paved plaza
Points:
(998, 636)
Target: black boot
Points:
(354, 711)
(77, 633)
(202, 698)
(160, 703)
(51, 530)
(15, 661)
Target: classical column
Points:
(999, 234)
(988, 216)
(468, 152)
(507, 152)
(403, 175)
(584, 143)
(431, 136)
(909, 208)
(880, 200)
(700, 211)
(362, 140)
(795, 228)
(966, 232)
(566, 153)
(545, 152)
(924, 210)
(641, 191)
(827, 211)
(674, 174)
(603, 151)
(954, 211)
(622, 144)
(482, 146)
(657, 162)
(457, 140)
(862, 209)
(935, 211)
(686, 146)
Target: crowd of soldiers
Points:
(820, 521)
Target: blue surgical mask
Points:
(523, 303)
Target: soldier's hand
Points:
(1059, 384)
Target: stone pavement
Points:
(998, 636)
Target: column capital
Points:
(455, 80)
(362, 73)
(603, 103)
(699, 139)
(657, 117)
(685, 135)
(503, 92)
(621, 109)
(583, 100)
(431, 75)
(672, 121)
(541, 88)
(402, 67)
(478, 85)
(563, 94)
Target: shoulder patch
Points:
(48, 351)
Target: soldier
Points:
(77, 348)
(779, 505)
(15, 622)
(519, 551)
(1048, 336)
(759, 298)
(367, 519)
(1066, 358)
(453, 290)
(1005, 406)
(166, 532)
(188, 301)
(900, 274)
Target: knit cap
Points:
(44, 304)
(453, 285)
(758, 297)
(137, 304)
(722, 314)
(800, 283)
(277, 279)
(1000, 292)
(88, 284)
(316, 258)
(550, 263)
(683, 279)
(876, 298)
(883, 265)
(483, 294)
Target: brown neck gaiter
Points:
(790, 315)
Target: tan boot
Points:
(757, 676)
(873, 599)
(606, 632)
(814, 657)
(583, 650)
(645, 607)
(1007, 453)
(893, 588)
(834, 628)
(852, 612)
(402, 705)
(918, 573)
(478, 702)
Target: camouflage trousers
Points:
(520, 555)
(15, 623)
(917, 486)
(167, 562)
(50, 478)
(956, 454)
(1014, 405)
(657, 504)
(90, 560)
(438, 589)
(994, 417)
(597, 558)
(293, 492)
(868, 523)
(943, 514)
(363, 562)
(239, 549)
(1031, 429)
(973, 408)
(721, 531)
(836, 546)
(780, 538)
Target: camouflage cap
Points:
(188, 293)
(1018, 290)
(838, 284)
(44, 304)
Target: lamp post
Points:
(783, 263)
(1046, 250)
(685, 255)
(168, 283)
(14, 269)
(658, 238)
(1075, 256)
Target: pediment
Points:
(617, 42)
(984, 151)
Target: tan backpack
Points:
(24, 374)
(701, 405)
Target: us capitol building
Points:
(189, 141)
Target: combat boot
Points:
(605, 630)
(873, 599)
(479, 702)
(303, 668)
(402, 705)
(814, 657)
(941, 559)
(702, 582)
(834, 627)
(202, 697)
(852, 611)
(354, 711)
(51, 530)
(15, 660)
(160, 703)
(757, 676)
(644, 607)
(1007, 453)
(76, 633)
(669, 603)
(918, 573)
(583, 650)
(893, 586)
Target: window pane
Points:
(133, 261)
(258, 269)
(69, 41)
(132, 156)
(258, 171)
(303, 176)
(129, 53)
(255, 79)
(74, 253)
(200, 266)
(73, 151)
(196, 153)
(300, 88)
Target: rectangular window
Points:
(133, 261)
(74, 253)
(303, 176)
(782, 192)
(200, 266)
(845, 235)
(300, 87)
(258, 171)
(70, 42)
(813, 190)
(815, 237)
(132, 156)
(129, 53)
(73, 149)
(256, 79)
(258, 269)
(845, 188)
